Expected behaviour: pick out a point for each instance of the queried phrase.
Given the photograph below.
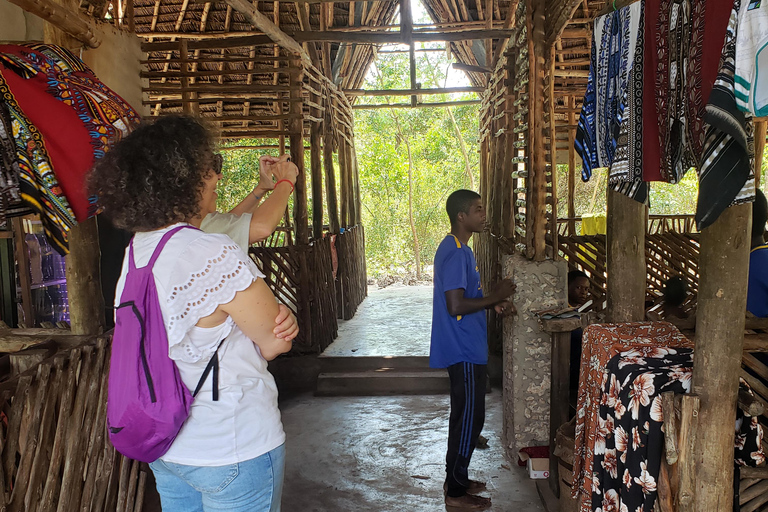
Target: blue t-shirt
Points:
(757, 289)
(456, 339)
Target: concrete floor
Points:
(393, 321)
(386, 454)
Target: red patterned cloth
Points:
(683, 45)
(600, 343)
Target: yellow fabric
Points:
(593, 224)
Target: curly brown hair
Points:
(154, 177)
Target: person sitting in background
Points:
(675, 293)
(578, 288)
(757, 288)
(578, 294)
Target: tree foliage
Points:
(382, 140)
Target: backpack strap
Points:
(213, 365)
(162, 243)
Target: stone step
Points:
(383, 382)
(363, 363)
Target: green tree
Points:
(409, 161)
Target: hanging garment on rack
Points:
(613, 47)
(38, 185)
(105, 115)
(752, 58)
(683, 48)
(626, 173)
(726, 174)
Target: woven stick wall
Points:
(55, 452)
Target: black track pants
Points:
(465, 424)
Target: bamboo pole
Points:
(418, 105)
(409, 92)
(317, 180)
(293, 40)
(572, 167)
(722, 298)
(760, 134)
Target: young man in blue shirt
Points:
(459, 342)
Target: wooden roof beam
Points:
(557, 18)
(263, 23)
(291, 42)
(418, 105)
(72, 23)
(411, 92)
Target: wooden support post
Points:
(25, 279)
(571, 166)
(552, 132)
(317, 181)
(760, 134)
(687, 468)
(722, 302)
(536, 204)
(356, 184)
(330, 174)
(560, 375)
(626, 225)
(344, 192)
(406, 29)
(352, 210)
(190, 106)
(86, 303)
(300, 214)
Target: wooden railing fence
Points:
(303, 278)
(55, 452)
(667, 254)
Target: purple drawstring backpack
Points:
(147, 401)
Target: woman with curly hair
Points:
(229, 454)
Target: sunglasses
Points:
(218, 163)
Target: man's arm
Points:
(458, 304)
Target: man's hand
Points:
(505, 308)
(287, 327)
(504, 290)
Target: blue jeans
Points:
(254, 485)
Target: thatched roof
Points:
(235, 71)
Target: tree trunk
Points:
(463, 147)
(416, 249)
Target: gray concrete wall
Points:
(527, 348)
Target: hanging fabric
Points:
(626, 173)
(726, 174)
(72, 119)
(752, 58)
(613, 47)
(38, 185)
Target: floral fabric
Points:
(599, 345)
(619, 438)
